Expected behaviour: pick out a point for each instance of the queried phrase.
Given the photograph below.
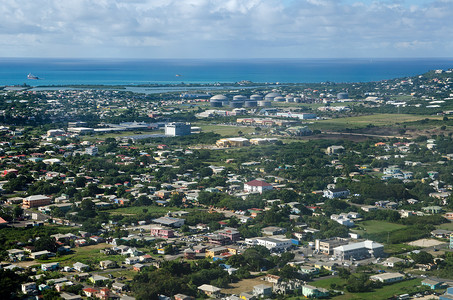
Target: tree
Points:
(10, 283)
(88, 209)
(80, 181)
(422, 257)
(46, 243)
(17, 211)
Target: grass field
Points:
(134, 210)
(393, 249)
(375, 226)
(245, 285)
(363, 121)
(227, 130)
(87, 255)
(446, 226)
(383, 293)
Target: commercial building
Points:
(167, 221)
(273, 244)
(233, 142)
(162, 232)
(257, 186)
(387, 277)
(326, 246)
(177, 129)
(35, 201)
(359, 250)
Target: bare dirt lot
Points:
(245, 285)
(426, 243)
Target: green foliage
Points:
(46, 243)
(422, 257)
(10, 283)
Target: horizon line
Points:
(224, 58)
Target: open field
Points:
(134, 210)
(227, 130)
(383, 293)
(245, 285)
(364, 121)
(426, 243)
(446, 226)
(393, 249)
(87, 255)
(375, 226)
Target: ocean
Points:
(13, 71)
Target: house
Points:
(41, 254)
(146, 258)
(80, 267)
(189, 254)
(70, 296)
(336, 193)
(433, 284)
(90, 292)
(334, 150)
(272, 278)
(308, 270)
(441, 233)
(262, 290)
(259, 186)
(138, 267)
(432, 209)
(313, 292)
(50, 266)
(391, 261)
(246, 296)
(131, 260)
(387, 277)
(28, 288)
(107, 264)
(210, 290)
(104, 294)
(183, 297)
(119, 287)
(328, 265)
(273, 230)
(97, 279)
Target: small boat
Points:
(31, 76)
(178, 75)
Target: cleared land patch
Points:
(426, 243)
(245, 285)
(375, 226)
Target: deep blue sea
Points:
(164, 71)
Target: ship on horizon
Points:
(31, 76)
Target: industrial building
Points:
(359, 250)
(177, 129)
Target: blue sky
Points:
(226, 28)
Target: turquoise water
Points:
(163, 71)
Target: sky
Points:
(226, 28)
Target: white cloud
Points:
(225, 28)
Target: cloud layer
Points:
(226, 28)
